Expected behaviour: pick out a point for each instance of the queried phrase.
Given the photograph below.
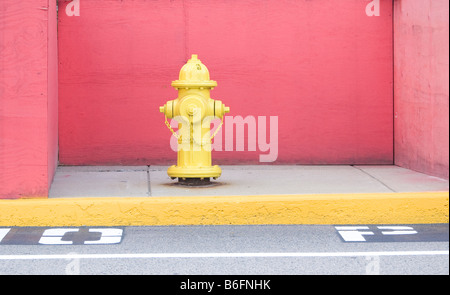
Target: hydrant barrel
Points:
(194, 109)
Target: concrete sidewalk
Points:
(152, 181)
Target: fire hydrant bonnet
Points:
(194, 74)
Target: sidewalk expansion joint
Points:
(149, 187)
(373, 177)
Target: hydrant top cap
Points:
(194, 74)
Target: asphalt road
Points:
(227, 250)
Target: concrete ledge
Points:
(370, 208)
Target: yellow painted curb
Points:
(375, 208)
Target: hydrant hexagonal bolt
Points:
(194, 109)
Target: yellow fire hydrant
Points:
(194, 110)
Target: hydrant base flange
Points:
(194, 182)
(194, 172)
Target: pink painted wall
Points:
(323, 67)
(28, 97)
(422, 85)
(52, 87)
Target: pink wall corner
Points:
(421, 91)
(52, 86)
(24, 99)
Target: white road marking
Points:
(219, 255)
(53, 236)
(346, 227)
(109, 236)
(398, 230)
(3, 232)
(354, 233)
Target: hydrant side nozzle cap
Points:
(161, 109)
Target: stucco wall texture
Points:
(421, 91)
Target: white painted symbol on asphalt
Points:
(357, 233)
(54, 236)
(3, 232)
(109, 236)
(352, 233)
(398, 230)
